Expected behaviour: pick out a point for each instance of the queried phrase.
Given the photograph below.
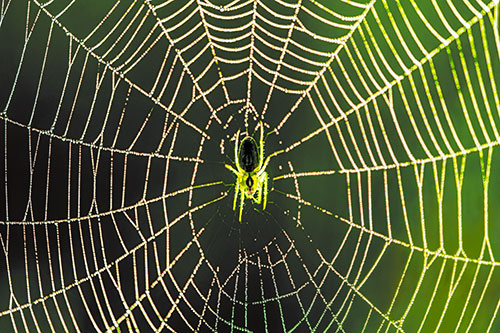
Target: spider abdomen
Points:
(248, 156)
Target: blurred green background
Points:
(363, 248)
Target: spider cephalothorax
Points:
(251, 175)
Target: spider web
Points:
(118, 118)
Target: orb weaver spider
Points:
(251, 176)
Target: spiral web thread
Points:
(409, 148)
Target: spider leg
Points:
(242, 201)
(230, 168)
(261, 146)
(264, 185)
(236, 147)
(236, 191)
(266, 162)
(259, 195)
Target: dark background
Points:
(103, 179)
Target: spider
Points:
(251, 175)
